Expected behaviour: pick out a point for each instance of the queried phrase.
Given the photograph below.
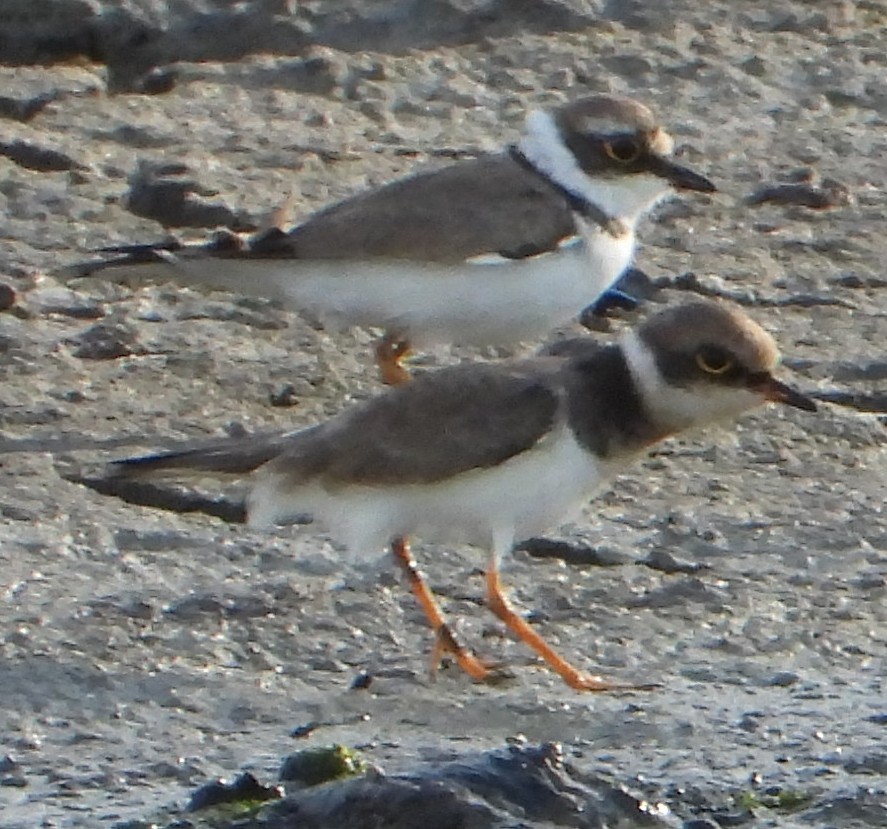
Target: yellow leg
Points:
(445, 639)
(575, 678)
(391, 350)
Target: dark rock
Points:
(754, 66)
(783, 679)
(629, 66)
(106, 341)
(362, 681)
(749, 722)
(157, 81)
(64, 302)
(50, 33)
(305, 730)
(662, 560)
(244, 789)
(24, 109)
(577, 554)
(864, 808)
(33, 415)
(829, 194)
(870, 370)
(678, 593)
(520, 785)
(41, 159)
(7, 296)
(861, 401)
(314, 766)
(162, 193)
(284, 397)
(133, 136)
(874, 763)
(192, 607)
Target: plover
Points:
(489, 251)
(491, 454)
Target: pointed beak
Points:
(777, 392)
(681, 178)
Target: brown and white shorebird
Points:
(491, 454)
(494, 250)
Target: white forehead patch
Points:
(662, 142)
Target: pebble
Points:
(783, 679)
(106, 341)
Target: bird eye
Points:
(714, 360)
(623, 150)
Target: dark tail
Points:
(238, 456)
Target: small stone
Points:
(362, 681)
(874, 763)
(302, 731)
(754, 66)
(284, 397)
(41, 159)
(24, 109)
(629, 66)
(848, 280)
(829, 194)
(783, 679)
(320, 765)
(245, 788)
(163, 193)
(662, 560)
(64, 302)
(748, 722)
(106, 341)
(577, 554)
(7, 296)
(157, 81)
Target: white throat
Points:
(620, 197)
(676, 408)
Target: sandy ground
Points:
(145, 652)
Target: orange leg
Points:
(516, 624)
(446, 641)
(390, 351)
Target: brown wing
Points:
(489, 205)
(468, 209)
(440, 425)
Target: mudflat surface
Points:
(145, 652)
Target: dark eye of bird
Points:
(714, 360)
(623, 150)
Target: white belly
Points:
(523, 497)
(476, 303)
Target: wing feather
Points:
(438, 426)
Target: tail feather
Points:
(228, 457)
(223, 265)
